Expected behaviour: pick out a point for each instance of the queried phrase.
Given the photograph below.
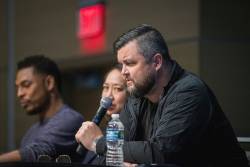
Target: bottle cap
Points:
(115, 115)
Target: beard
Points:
(42, 107)
(142, 88)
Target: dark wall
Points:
(225, 57)
(3, 73)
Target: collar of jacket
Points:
(175, 73)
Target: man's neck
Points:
(162, 80)
(54, 106)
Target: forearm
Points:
(10, 156)
(134, 151)
(139, 152)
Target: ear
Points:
(50, 82)
(157, 61)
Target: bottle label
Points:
(113, 135)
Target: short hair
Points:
(42, 65)
(149, 40)
(113, 67)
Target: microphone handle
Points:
(97, 119)
(81, 150)
(99, 115)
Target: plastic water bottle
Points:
(115, 140)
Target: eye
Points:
(26, 84)
(129, 62)
(105, 87)
(118, 89)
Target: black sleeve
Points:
(183, 119)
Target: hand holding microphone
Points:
(88, 132)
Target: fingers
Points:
(88, 125)
(77, 135)
(81, 131)
(127, 164)
(87, 134)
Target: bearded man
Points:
(172, 118)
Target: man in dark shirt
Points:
(38, 84)
(172, 117)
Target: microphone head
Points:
(44, 158)
(63, 159)
(106, 102)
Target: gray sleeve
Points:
(30, 152)
(56, 137)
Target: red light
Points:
(91, 30)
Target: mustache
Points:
(24, 101)
(127, 78)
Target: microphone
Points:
(44, 158)
(63, 159)
(105, 103)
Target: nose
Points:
(20, 92)
(110, 93)
(124, 70)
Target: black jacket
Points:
(189, 127)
